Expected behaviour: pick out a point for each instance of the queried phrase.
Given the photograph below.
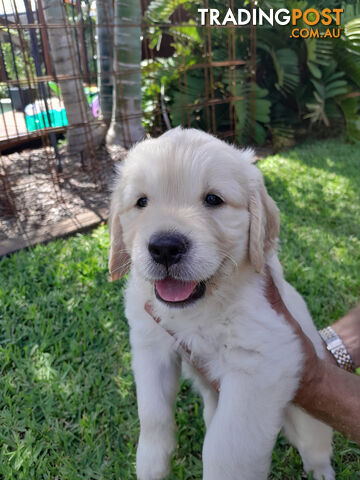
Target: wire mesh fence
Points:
(55, 50)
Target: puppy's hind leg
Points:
(313, 440)
(210, 399)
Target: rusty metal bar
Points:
(165, 26)
(213, 121)
(44, 40)
(253, 77)
(82, 45)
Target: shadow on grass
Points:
(320, 225)
(325, 214)
(330, 156)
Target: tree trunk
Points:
(104, 46)
(126, 122)
(83, 132)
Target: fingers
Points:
(148, 309)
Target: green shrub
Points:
(302, 85)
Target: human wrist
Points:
(336, 347)
(348, 329)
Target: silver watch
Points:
(337, 348)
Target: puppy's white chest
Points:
(218, 346)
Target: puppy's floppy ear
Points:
(119, 260)
(264, 224)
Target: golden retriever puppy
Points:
(192, 221)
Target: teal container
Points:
(40, 120)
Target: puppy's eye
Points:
(142, 202)
(213, 200)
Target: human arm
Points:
(327, 392)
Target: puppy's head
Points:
(187, 208)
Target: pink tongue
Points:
(172, 290)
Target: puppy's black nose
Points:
(167, 248)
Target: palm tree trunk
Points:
(104, 45)
(83, 131)
(126, 122)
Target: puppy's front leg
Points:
(241, 437)
(157, 372)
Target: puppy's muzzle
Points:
(168, 248)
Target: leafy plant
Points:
(301, 83)
(18, 64)
(330, 85)
(3, 90)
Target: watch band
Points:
(335, 345)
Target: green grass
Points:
(67, 397)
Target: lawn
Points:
(67, 396)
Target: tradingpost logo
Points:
(310, 23)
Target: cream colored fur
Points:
(233, 332)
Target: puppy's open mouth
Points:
(178, 293)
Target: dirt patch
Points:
(38, 189)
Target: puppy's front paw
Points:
(153, 459)
(323, 473)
